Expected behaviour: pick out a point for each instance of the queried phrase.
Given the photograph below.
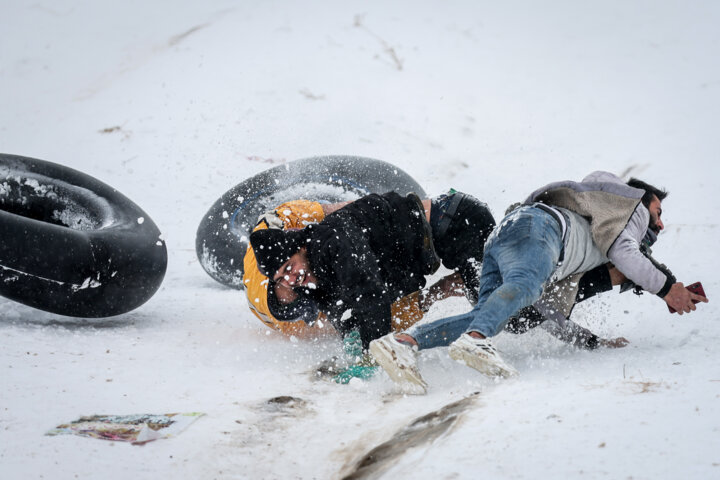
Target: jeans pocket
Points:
(516, 229)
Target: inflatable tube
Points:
(72, 245)
(222, 237)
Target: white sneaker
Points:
(479, 353)
(398, 360)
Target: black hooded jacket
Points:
(367, 255)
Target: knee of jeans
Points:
(522, 292)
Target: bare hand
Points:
(681, 299)
(448, 286)
(618, 342)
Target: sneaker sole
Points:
(481, 364)
(386, 358)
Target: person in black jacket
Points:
(361, 258)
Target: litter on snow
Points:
(137, 429)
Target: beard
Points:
(654, 224)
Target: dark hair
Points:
(650, 191)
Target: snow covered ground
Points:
(173, 103)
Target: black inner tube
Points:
(223, 234)
(72, 245)
(52, 202)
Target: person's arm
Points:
(598, 280)
(329, 208)
(448, 286)
(571, 332)
(350, 268)
(626, 255)
(580, 336)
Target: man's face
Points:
(296, 272)
(656, 223)
(284, 294)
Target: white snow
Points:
(173, 103)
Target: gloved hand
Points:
(363, 368)
(352, 346)
(359, 365)
(362, 372)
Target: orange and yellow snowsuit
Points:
(298, 214)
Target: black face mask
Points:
(304, 308)
(648, 240)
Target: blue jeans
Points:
(520, 256)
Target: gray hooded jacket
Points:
(617, 224)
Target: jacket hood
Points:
(274, 247)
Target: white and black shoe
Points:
(479, 353)
(399, 361)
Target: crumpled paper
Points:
(137, 429)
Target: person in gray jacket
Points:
(539, 250)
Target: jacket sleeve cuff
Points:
(669, 282)
(592, 342)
